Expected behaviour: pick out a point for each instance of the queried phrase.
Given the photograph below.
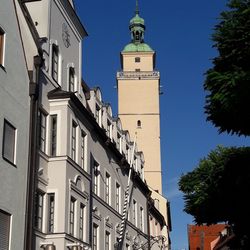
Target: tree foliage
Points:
(228, 81)
(217, 190)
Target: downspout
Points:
(91, 202)
(29, 242)
(148, 221)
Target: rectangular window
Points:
(109, 129)
(83, 146)
(9, 142)
(98, 114)
(53, 135)
(39, 210)
(2, 40)
(107, 188)
(72, 215)
(107, 240)
(71, 79)
(141, 219)
(134, 213)
(4, 230)
(95, 237)
(117, 197)
(81, 221)
(51, 212)
(137, 70)
(73, 141)
(119, 142)
(137, 59)
(42, 130)
(96, 178)
(55, 62)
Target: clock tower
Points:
(138, 99)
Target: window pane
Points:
(53, 134)
(81, 222)
(39, 210)
(1, 46)
(71, 79)
(51, 212)
(4, 230)
(42, 130)
(9, 141)
(73, 141)
(72, 216)
(55, 62)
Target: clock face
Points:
(65, 35)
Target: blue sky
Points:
(180, 33)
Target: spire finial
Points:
(137, 8)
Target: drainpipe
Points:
(91, 201)
(29, 241)
(148, 221)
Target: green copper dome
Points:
(140, 47)
(137, 20)
(137, 30)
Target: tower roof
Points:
(137, 30)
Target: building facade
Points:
(75, 176)
(14, 130)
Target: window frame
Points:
(73, 140)
(71, 79)
(95, 236)
(42, 116)
(55, 63)
(72, 212)
(107, 188)
(96, 174)
(12, 161)
(2, 46)
(134, 212)
(83, 148)
(39, 210)
(81, 221)
(5, 217)
(118, 197)
(51, 213)
(53, 135)
(107, 240)
(137, 59)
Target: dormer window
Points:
(98, 114)
(71, 79)
(55, 62)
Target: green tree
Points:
(228, 81)
(217, 190)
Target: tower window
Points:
(137, 59)
(139, 123)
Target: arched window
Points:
(139, 123)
